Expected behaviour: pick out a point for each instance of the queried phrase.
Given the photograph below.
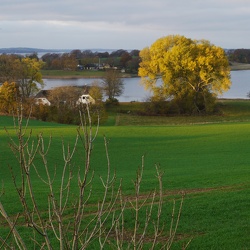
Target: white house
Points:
(85, 99)
(42, 100)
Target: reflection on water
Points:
(134, 91)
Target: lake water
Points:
(240, 85)
(134, 91)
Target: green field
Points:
(71, 74)
(207, 157)
(76, 74)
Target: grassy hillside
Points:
(206, 157)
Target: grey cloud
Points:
(137, 22)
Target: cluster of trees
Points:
(24, 71)
(239, 55)
(21, 79)
(64, 108)
(121, 59)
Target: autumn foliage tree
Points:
(95, 91)
(8, 97)
(190, 73)
(30, 76)
(112, 84)
(24, 71)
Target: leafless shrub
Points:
(66, 223)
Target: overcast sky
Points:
(121, 24)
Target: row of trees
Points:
(239, 55)
(122, 59)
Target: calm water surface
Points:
(134, 91)
(240, 85)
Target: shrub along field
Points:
(207, 158)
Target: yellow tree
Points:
(192, 73)
(95, 91)
(8, 97)
(30, 76)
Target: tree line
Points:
(78, 60)
(239, 55)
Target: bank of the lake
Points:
(239, 66)
(134, 91)
(65, 74)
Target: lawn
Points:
(206, 157)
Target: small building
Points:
(41, 98)
(91, 66)
(85, 99)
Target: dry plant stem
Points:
(25, 157)
(106, 208)
(82, 181)
(173, 228)
(57, 205)
(64, 189)
(137, 205)
(17, 237)
(119, 226)
(157, 230)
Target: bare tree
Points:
(112, 84)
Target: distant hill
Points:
(20, 50)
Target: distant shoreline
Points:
(95, 74)
(70, 77)
(239, 66)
